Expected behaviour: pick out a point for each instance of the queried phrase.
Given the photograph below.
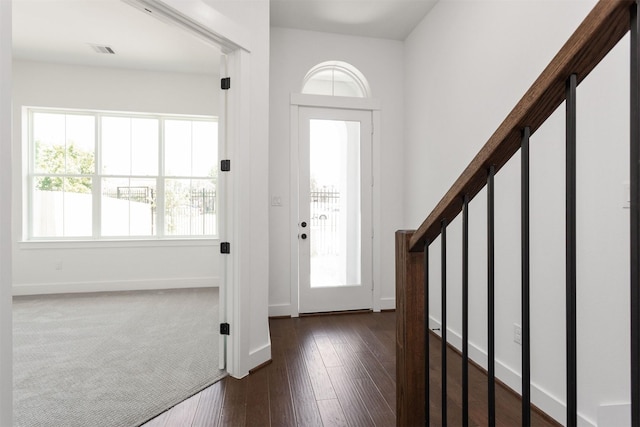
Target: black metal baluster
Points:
(443, 329)
(635, 214)
(526, 328)
(426, 335)
(572, 404)
(465, 311)
(491, 362)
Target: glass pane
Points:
(190, 207)
(116, 145)
(320, 84)
(62, 207)
(334, 172)
(345, 85)
(48, 137)
(64, 143)
(128, 207)
(178, 152)
(81, 142)
(205, 148)
(144, 147)
(129, 146)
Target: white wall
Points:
(293, 53)
(102, 266)
(6, 332)
(467, 64)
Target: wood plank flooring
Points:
(333, 371)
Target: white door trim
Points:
(6, 334)
(203, 21)
(199, 19)
(340, 102)
(367, 104)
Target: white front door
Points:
(334, 224)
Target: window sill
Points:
(121, 243)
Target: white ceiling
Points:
(386, 19)
(62, 31)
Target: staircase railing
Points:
(601, 30)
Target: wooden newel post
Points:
(410, 375)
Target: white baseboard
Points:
(544, 400)
(111, 286)
(387, 303)
(280, 310)
(260, 355)
(615, 415)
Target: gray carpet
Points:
(112, 359)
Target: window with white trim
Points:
(336, 78)
(103, 175)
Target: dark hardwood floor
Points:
(333, 371)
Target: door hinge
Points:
(225, 165)
(224, 329)
(225, 248)
(225, 83)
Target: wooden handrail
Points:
(600, 31)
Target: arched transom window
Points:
(336, 78)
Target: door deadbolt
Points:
(303, 224)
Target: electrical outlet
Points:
(517, 334)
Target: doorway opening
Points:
(230, 50)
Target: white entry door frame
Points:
(300, 104)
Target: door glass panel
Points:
(335, 203)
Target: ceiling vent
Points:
(103, 49)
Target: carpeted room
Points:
(116, 359)
(161, 261)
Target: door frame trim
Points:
(343, 103)
(204, 21)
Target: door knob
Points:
(303, 236)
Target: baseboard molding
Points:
(387, 304)
(112, 286)
(544, 400)
(260, 356)
(280, 310)
(614, 414)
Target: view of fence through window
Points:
(334, 203)
(152, 175)
(325, 207)
(192, 212)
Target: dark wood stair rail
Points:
(600, 31)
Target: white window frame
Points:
(97, 177)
